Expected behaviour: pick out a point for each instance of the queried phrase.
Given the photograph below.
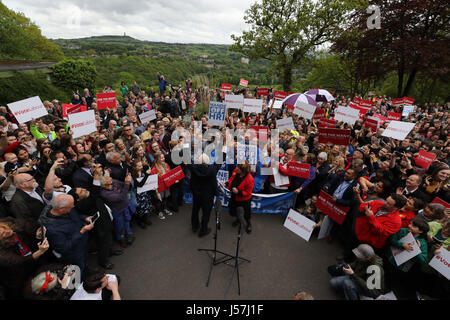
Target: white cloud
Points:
(194, 21)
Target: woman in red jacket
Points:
(241, 186)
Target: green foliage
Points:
(22, 40)
(29, 84)
(200, 109)
(74, 74)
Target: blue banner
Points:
(279, 203)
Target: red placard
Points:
(356, 100)
(339, 137)
(280, 94)
(262, 91)
(371, 124)
(362, 110)
(365, 103)
(397, 102)
(439, 200)
(331, 209)
(379, 116)
(173, 175)
(394, 116)
(261, 133)
(225, 86)
(408, 101)
(243, 83)
(106, 100)
(425, 159)
(318, 114)
(300, 170)
(290, 107)
(327, 123)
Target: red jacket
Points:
(407, 217)
(376, 230)
(161, 185)
(246, 186)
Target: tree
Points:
(413, 39)
(22, 40)
(74, 74)
(286, 31)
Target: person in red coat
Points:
(241, 185)
(410, 210)
(380, 220)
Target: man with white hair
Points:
(27, 202)
(67, 231)
(204, 188)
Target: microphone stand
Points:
(226, 257)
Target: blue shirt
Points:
(341, 189)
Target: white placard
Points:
(28, 109)
(280, 180)
(304, 110)
(147, 116)
(266, 171)
(277, 104)
(234, 101)
(285, 124)
(247, 152)
(253, 105)
(441, 262)
(217, 112)
(299, 224)
(325, 228)
(346, 115)
(150, 184)
(398, 129)
(387, 296)
(407, 110)
(82, 123)
(403, 255)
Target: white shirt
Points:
(35, 195)
(81, 294)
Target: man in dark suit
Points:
(28, 200)
(82, 177)
(342, 189)
(412, 188)
(118, 169)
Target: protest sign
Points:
(253, 105)
(441, 263)
(285, 124)
(346, 114)
(147, 116)
(394, 116)
(318, 114)
(331, 209)
(266, 171)
(222, 176)
(380, 118)
(247, 152)
(362, 111)
(408, 101)
(150, 184)
(403, 255)
(397, 102)
(325, 228)
(28, 109)
(299, 224)
(371, 124)
(260, 132)
(327, 123)
(106, 100)
(304, 110)
(75, 109)
(262, 91)
(424, 159)
(407, 110)
(280, 94)
(398, 129)
(277, 104)
(234, 101)
(217, 112)
(243, 83)
(225, 87)
(300, 170)
(365, 103)
(280, 179)
(82, 123)
(172, 176)
(339, 137)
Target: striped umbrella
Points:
(319, 93)
(299, 99)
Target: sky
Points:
(173, 21)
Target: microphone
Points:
(240, 216)
(218, 208)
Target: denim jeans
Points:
(347, 285)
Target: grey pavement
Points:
(164, 262)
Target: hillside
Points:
(124, 58)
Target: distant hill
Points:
(123, 58)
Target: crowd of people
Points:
(62, 196)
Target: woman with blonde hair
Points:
(160, 168)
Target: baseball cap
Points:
(363, 251)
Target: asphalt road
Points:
(164, 262)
